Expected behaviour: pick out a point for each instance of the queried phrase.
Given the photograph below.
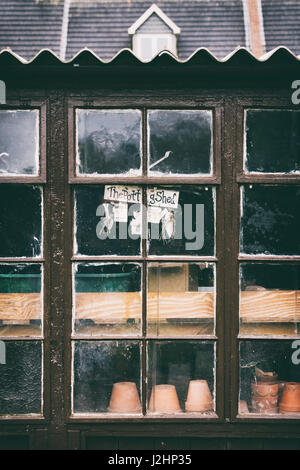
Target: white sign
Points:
(126, 194)
(120, 210)
(163, 198)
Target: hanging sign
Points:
(163, 198)
(126, 194)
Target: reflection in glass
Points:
(103, 229)
(19, 137)
(269, 299)
(20, 300)
(108, 141)
(20, 221)
(181, 377)
(108, 299)
(270, 220)
(273, 141)
(180, 142)
(98, 366)
(21, 378)
(268, 372)
(181, 299)
(184, 228)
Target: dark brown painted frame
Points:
(214, 180)
(28, 103)
(240, 178)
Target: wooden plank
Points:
(20, 308)
(270, 306)
(115, 307)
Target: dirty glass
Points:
(181, 221)
(181, 377)
(21, 301)
(108, 299)
(272, 141)
(180, 142)
(105, 225)
(270, 377)
(20, 377)
(270, 221)
(269, 299)
(107, 377)
(19, 138)
(20, 221)
(108, 141)
(180, 299)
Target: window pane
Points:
(184, 226)
(270, 299)
(270, 220)
(181, 377)
(273, 141)
(107, 377)
(108, 299)
(20, 221)
(184, 138)
(106, 227)
(19, 137)
(108, 141)
(20, 300)
(270, 377)
(20, 377)
(181, 299)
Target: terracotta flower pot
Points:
(124, 398)
(164, 399)
(264, 389)
(199, 397)
(290, 400)
(264, 397)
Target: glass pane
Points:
(20, 377)
(180, 142)
(20, 221)
(19, 137)
(273, 141)
(181, 299)
(107, 377)
(20, 300)
(106, 224)
(181, 221)
(270, 299)
(108, 299)
(270, 377)
(181, 377)
(108, 141)
(270, 220)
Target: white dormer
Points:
(153, 32)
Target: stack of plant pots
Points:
(265, 392)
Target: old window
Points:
(269, 312)
(144, 262)
(22, 171)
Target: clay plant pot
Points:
(264, 389)
(243, 408)
(264, 397)
(124, 398)
(164, 399)
(290, 399)
(199, 398)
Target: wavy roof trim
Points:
(202, 56)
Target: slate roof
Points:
(217, 25)
(27, 27)
(282, 24)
